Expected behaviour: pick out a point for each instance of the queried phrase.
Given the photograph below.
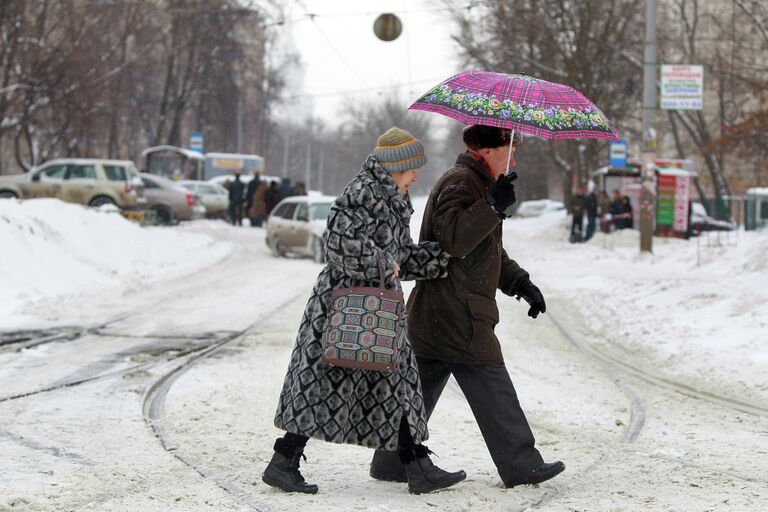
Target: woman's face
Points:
(405, 179)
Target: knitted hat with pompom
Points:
(398, 151)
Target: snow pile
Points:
(52, 249)
(695, 310)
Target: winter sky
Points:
(343, 59)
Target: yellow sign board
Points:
(227, 163)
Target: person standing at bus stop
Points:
(236, 192)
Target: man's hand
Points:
(502, 193)
(532, 295)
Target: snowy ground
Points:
(647, 375)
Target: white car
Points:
(296, 226)
(215, 197)
(538, 207)
(701, 221)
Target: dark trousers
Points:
(577, 227)
(591, 224)
(236, 212)
(493, 400)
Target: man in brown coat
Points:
(451, 321)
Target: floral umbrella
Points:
(518, 102)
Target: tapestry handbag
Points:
(364, 327)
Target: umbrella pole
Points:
(511, 143)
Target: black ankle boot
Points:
(388, 467)
(283, 470)
(423, 475)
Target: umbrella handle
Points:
(509, 155)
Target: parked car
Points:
(296, 225)
(88, 181)
(170, 201)
(701, 221)
(538, 207)
(215, 197)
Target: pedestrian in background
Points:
(236, 190)
(590, 207)
(578, 204)
(271, 198)
(258, 206)
(250, 195)
(451, 321)
(368, 223)
(286, 188)
(604, 206)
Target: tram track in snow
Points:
(153, 408)
(618, 371)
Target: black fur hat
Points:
(477, 136)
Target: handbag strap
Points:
(380, 264)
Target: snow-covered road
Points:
(200, 360)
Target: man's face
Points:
(496, 158)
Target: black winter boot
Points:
(283, 470)
(540, 474)
(423, 475)
(387, 466)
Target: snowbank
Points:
(695, 310)
(51, 250)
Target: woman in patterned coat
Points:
(380, 410)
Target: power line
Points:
(368, 89)
(337, 52)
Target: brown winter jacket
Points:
(453, 319)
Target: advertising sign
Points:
(665, 202)
(682, 197)
(682, 87)
(673, 196)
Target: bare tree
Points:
(590, 45)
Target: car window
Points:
(149, 183)
(115, 172)
(278, 211)
(188, 186)
(55, 172)
(81, 172)
(303, 212)
(320, 210)
(207, 189)
(288, 211)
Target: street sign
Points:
(196, 142)
(618, 154)
(682, 87)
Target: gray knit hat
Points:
(398, 151)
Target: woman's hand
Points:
(396, 273)
(447, 254)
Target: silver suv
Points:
(88, 181)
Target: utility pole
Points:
(321, 170)
(647, 191)
(308, 168)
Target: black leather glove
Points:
(532, 295)
(502, 193)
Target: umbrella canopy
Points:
(518, 102)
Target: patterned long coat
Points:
(343, 405)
